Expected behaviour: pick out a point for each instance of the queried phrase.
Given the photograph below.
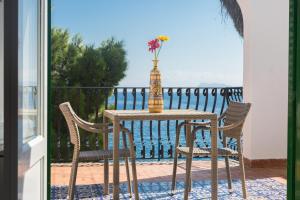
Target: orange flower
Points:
(163, 38)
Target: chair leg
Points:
(128, 176)
(228, 174)
(134, 175)
(106, 164)
(188, 176)
(106, 177)
(73, 176)
(174, 173)
(127, 166)
(242, 168)
(190, 184)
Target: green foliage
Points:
(75, 64)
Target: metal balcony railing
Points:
(153, 139)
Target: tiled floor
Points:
(90, 173)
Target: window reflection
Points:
(28, 68)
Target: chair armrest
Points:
(128, 133)
(92, 127)
(230, 126)
(130, 136)
(202, 124)
(222, 116)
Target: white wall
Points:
(266, 32)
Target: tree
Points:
(76, 64)
(232, 8)
(64, 54)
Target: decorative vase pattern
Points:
(155, 100)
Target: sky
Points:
(204, 48)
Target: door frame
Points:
(11, 99)
(293, 175)
(49, 116)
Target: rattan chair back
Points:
(70, 115)
(236, 113)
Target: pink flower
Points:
(153, 45)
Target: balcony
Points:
(154, 145)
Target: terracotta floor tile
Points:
(93, 173)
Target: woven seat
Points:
(233, 118)
(207, 151)
(196, 151)
(74, 122)
(101, 154)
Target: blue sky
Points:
(203, 47)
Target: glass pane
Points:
(28, 68)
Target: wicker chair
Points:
(73, 122)
(233, 119)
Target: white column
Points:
(266, 32)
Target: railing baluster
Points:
(205, 94)
(223, 93)
(97, 117)
(229, 95)
(179, 94)
(235, 94)
(215, 96)
(125, 98)
(106, 94)
(170, 150)
(124, 102)
(152, 151)
(116, 98)
(241, 93)
(188, 94)
(160, 145)
(143, 151)
(133, 92)
(197, 95)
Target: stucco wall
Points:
(266, 31)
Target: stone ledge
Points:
(265, 163)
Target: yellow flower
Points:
(163, 38)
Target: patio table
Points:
(116, 116)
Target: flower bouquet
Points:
(155, 100)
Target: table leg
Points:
(106, 166)
(214, 158)
(188, 180)
(116, 179)
(189, 131)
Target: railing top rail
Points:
(140, 87)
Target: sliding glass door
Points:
(25, 105)
(31, 135)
